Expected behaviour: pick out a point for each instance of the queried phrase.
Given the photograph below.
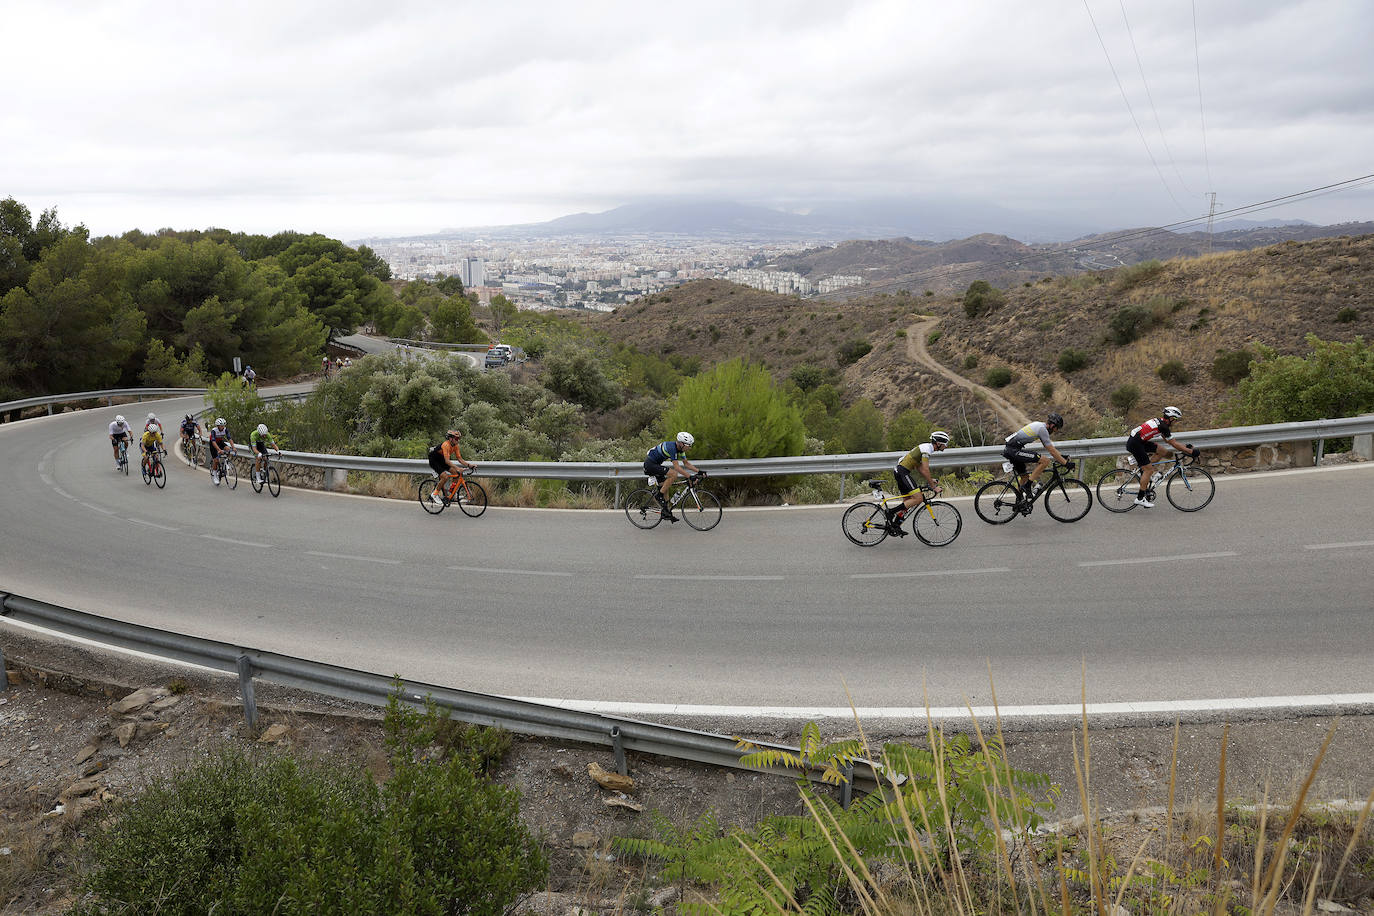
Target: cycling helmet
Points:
(152, 416)
(189, 417)
(453, 434)
(939, 437)
(1172, 413)
(262, 429)
(685, 439)
(220, 421)
(1055, 420)
(119, 418)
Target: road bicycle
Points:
(152, 469)
(268, 476)
(459, 488)
(1187, 486)
(122, 459)
(225, 466)
(1067, 499)
(190, 448)
(699, 508)
(934, 521)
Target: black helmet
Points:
(1055, 420)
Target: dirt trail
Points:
(916, 349)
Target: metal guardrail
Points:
(521, 716)
(139, 393)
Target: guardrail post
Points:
(619, 747)
(1321, 448)
(842, 477)
(617, 493)
(250, 705)
(1363, 445)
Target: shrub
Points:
(577, 374)
(853, 351)
(1046, 390)
(1231, 366)
(982, 298)
(1174, 372)
(808, 377)
(861, 428)
(265, 833)
(1130, 323)
(1347, 315)
(1071, 360)
(1125, 397)
(759, 423)
(997, 377)
(971, 361)
(907, 429)
(1333, 380)
(1138, 273)
(932, 337)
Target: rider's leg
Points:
(667, 484)
(1040, 466)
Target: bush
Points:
(759, 422)
(1125, 397)
(932, 337)
(1071, 360)
(808, 377)
(853, 351)
(1174, 372)
(907, 429)
(971, 361)
(577, 374)
(1138, 273)
(1231, 366)
(982, 298)
(861, 428)
(265, 834)
(1046, 390)
(998, 377)
(1347, 315)
(1334, 380)
(1130, 323)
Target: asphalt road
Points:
(1266, 592)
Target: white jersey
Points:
(117, 429)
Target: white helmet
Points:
(1172, 413)
(152, 416)
(262, 429)
(940, 437)
(153, 427)
(220, 421)
(684, 438)
(119, 418)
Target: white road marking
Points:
(931, 572)
(1338, 546)
(349, 556)
(97, 508)
(1180, 556)
(716, 578)
(509, 572)
(139, 521)
(61, 492)
(215, 537)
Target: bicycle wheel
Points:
(273, 481)
(1117, 490)
(1190, 488)
(865, 524)
(1068, 500)
(159, 475)
(700, 509)
(642, 509)
(428, 486)
(936, 523)
(230, 474)
(147, 474)
(996, 502)
(471, 498)
(256, 481)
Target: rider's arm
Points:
(1058, 456)
(1179, 446)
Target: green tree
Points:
(162, 368)
(577, 374)
(503, 313)
(981, 298)
(451, 322)
(861, 428)
(1334, 379)
(449, 286)
(907, 429)
(735, 411)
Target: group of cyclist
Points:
(218, 442)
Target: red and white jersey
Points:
(1152, 429)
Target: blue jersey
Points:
(664, 451)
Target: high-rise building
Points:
(473, 272)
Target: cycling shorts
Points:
(120, 437)
(655, 470)
(1020, 458)
(438, 464)
(261, 447)
(1143, 452)
(906, 484)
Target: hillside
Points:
(1198, 307)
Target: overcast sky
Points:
(369, 119)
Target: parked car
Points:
(499, 355)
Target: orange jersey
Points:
(449, 449)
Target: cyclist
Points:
(674, 452)
(152, 421)
(444, 458)
(119, 432)
(250, 378)
(220, 441)
(150, 443)
(190, 429)
(259, 441)
(1020, 456)
(1143, 447)
(918, 459)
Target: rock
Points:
(87, 752)
(584, 839)
(662, 897)
(620, 801)
(126, 733)
(78, 789)
(1331, 906)
(5, 761)
(274, 734)
(138, 699)
(608, 780)
(166, 703)
(95, 766)
(13, 677)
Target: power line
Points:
(1129, 109)
(1197, 61)
(1140, 66)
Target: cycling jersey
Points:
(254, 438)
(151, 440)
(917, 456)
(219, 438)
(189, 427)
(120, 430)
(1028, 434)
(1152, 429)
(664, 451)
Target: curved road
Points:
(1264, 593)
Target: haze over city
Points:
(358, 121)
